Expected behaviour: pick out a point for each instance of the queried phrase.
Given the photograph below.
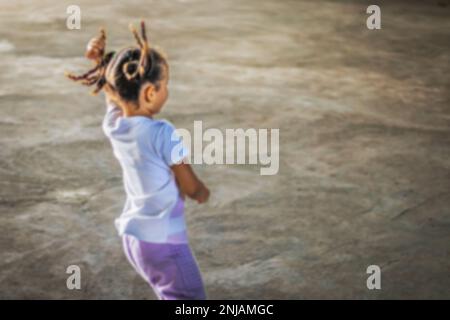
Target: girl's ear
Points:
(149, 92)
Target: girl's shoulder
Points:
(157, 130)
(161, 125)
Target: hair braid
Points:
(95, 51)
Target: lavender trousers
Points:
(170, 268)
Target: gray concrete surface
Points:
(364, 148)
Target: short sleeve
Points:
(173, 150)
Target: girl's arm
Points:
(189, 184)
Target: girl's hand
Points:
(111, 94)
(203, 195)
(96, 47)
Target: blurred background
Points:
(364, 121)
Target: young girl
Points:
(152, 224)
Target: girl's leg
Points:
(132, 252)
(189, 284)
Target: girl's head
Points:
(135, 77)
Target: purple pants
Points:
(170, 268)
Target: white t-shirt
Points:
(144, 148)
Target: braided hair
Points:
(125, 71)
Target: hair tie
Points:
(131, 69)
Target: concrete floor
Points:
(364, 119)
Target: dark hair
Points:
(125, 71)
(122, 73)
